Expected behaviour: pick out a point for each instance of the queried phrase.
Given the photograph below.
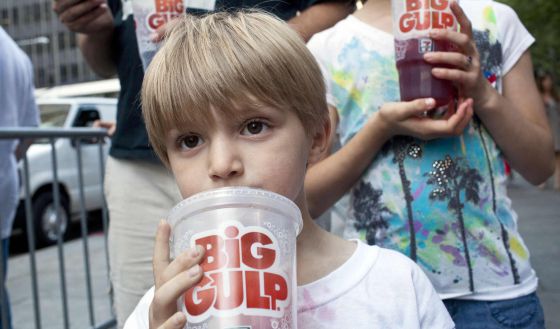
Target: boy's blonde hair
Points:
(226, 60)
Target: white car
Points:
(64, 113)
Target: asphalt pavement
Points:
(539, 223)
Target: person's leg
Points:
(138, 195)
(5, 323)
(523, 312)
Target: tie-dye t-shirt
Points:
(443, 202)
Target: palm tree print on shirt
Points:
(452, 177)
(491, 59)
(405, 147)
(369, 211)
(503, 231)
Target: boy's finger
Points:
(184, 261)
(177, 321)
(165, 297)
(161, 252)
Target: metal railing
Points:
(77, 135)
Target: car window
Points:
(86, 116)
(53, 115)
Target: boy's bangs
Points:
(193, 76)
(226, 61)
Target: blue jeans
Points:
(6, 302)
(519, 313)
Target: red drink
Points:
(415, 74)
(412, 22)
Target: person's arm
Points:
(93, 21)
(517, 122)
(321, 16)
(328, 180)
(516, 119)
(96, 50)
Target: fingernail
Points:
(161, 222)
(195, 252)
(430, 101)
(193, 271)
(179, 318)
(428, 56)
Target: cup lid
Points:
(236, 196)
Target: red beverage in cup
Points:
(415, 74)
(412, 22)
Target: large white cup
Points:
(249, 236)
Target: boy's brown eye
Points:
(190, 142)
(254, 127)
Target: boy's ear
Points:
(321, 143)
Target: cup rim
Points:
(240, 196)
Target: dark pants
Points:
(519, 313)
(5, 309)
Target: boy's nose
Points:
(224, 162)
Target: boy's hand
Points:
(84, 16)
(172, 279)
(465, 65)
(407, 118)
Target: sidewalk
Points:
(539, 224)
(50, 295)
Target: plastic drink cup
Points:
(249, 265)
(149, 15)
(412, 22)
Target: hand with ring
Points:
(462, 67)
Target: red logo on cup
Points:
(421, 15)
(165, 10)
(241, 275)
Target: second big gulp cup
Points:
(149, 15)
(412, 22)
(249, 238)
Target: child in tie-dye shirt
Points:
(435, 190)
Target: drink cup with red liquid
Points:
(249, 265)
(412, 22)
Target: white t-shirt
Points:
(17, 109)
(468, 247)
(374, 288)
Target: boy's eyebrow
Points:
(256, 109)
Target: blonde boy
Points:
(236, 99)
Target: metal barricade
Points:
(77, 135)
